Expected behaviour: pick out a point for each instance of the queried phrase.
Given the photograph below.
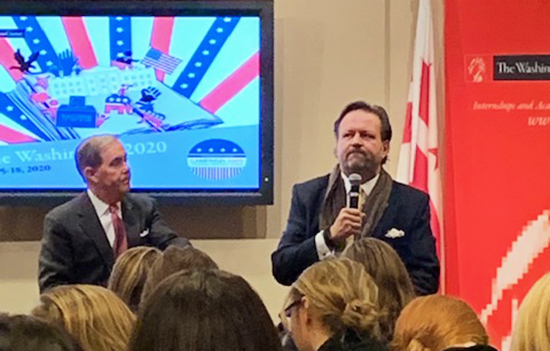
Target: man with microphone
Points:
(358, 199)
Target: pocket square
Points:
(395, 233)
(144, 233)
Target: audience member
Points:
(130, 273)
(204, 310)
(531, 330)
(95, 316)
(26, 333)
(395, 289)
(333, 305)
(436, 323)
(173, 260)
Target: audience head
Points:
(175, 259)
(26, 333)
(531, 331)
(382, 263)
(329, 299)
(93, 315)
(204, 310)
(101, 160)
(130, 273)
(436, 323)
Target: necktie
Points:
(121, 241)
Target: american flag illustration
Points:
(165, 63)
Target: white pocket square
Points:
(395, 233)
(144, 233)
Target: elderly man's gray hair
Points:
(88, 153)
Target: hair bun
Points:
(361, 315)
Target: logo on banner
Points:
(477, 69)
(522, 67)
(216, 159)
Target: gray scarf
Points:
(374, 206)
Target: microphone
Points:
(355, 180)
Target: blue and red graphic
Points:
(196, 65)
(163, 84)
(216, 159)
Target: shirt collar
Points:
(366, 187)
(101, 208)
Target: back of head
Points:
(342, 295)
(130, 273)
(530, 330)
(437, 322)
(175, 259)
(26, 333)
(395, 289)
(95, 316)
(204, 310)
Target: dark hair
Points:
(204, 310)
(25, 333)
(395, 289)
(173, 260)
(385, 129)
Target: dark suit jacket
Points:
(75, 249)
(408, 210)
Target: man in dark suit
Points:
(83, 237)
(321, 224)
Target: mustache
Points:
(358, 151)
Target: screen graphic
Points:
(182, 93)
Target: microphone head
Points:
(355, 179)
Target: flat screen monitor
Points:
(187, 86)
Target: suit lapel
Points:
(90, 224)
(131, 218)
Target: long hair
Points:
(204, 310)
(436, 322)
(130, 273)
(93, 315)
(342, 295)
(531, 331)
(395, 289)
(175, 259)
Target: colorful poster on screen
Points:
(182, 93)
(497, 129)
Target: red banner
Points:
(497, 134)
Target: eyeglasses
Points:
(288, 310)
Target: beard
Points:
(362, 162)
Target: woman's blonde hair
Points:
(130, 274)
(342, 295)
(93, 315)
(395, 289)
(173, 260)
(531, 331)
(436, 322)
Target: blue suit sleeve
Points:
(423, 266)
(296, 250)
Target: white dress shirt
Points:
(323, 250)
(104, 215)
